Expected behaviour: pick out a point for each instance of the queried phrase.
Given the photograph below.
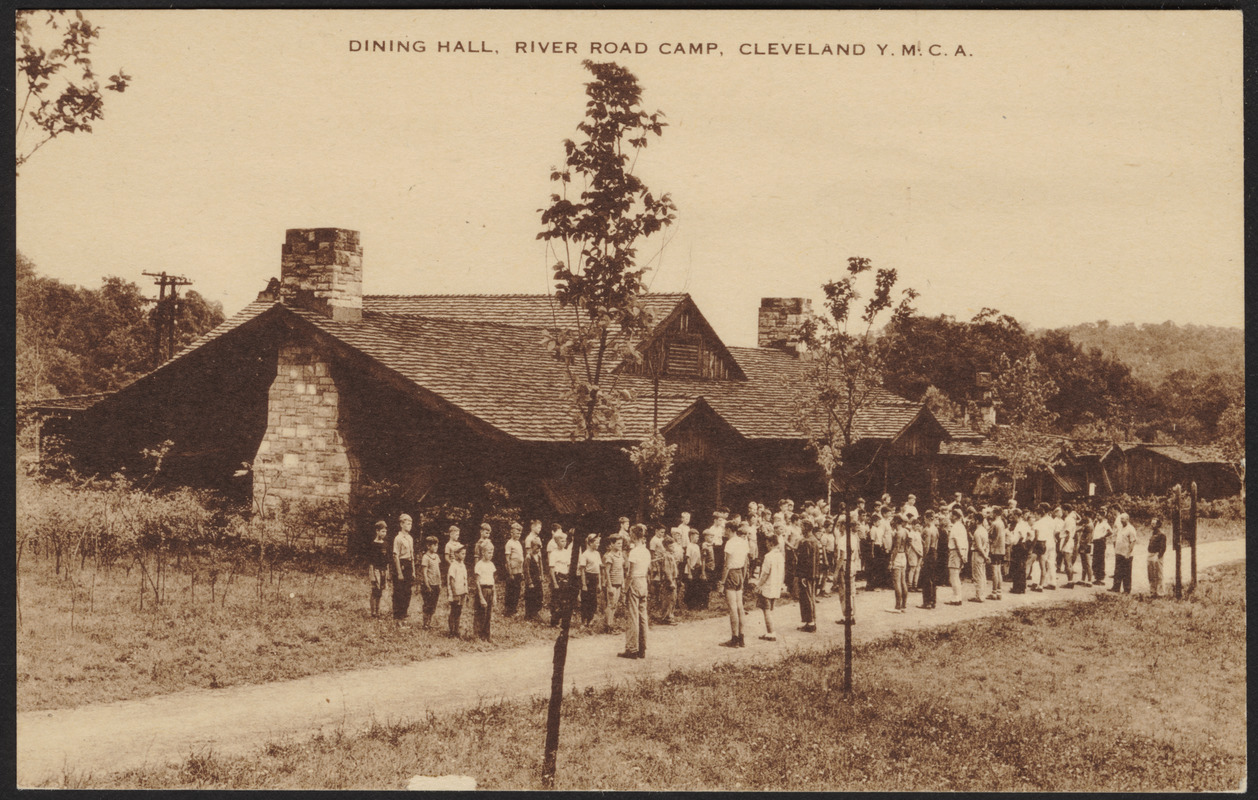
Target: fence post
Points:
(1192, 532)
(1177, 535)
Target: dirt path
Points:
(106, 738)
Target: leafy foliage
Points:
(653, 459)
(594, 237)
(73, 341)
(846, 360)
(1098, 393)
(60, 91)
(1023, 392)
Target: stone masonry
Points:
(321, 270)
(303, 455)
(780, 318)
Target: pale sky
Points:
(1067, 167)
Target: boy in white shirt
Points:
(484, 598)
(734, 579)
(560, 556)
(513, 552)
(769, 585)
(637, 567)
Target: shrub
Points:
(1144, 508)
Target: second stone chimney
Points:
(321, 270)
(780, 318)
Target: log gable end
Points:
(683, 345)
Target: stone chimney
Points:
(780, 318)
(321, 270)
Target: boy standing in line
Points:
(533, 578)
(614, 577)
(997, 544)
(514, 557)
(484, 601)
(404, 569)
(560, 565)
(429, 579)
(378, 565)
(1100, 541)
(456, 584)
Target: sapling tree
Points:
(843, 375)
(593, 226)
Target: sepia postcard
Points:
(630, 400)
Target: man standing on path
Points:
(996, 549)
(1045, 549)
(638, 567)
(980, 540)
(930, 558)
(1124, 550)
(1100, 540)
(807, 568)
(958, 553)
(734, 579)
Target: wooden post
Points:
(1192, 532)
(848, 618)
(1177, 537)
(720, 476)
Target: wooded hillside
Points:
(1154, 350)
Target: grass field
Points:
(89, 642)
(1125, 693)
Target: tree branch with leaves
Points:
(58, 92)
(593, 226)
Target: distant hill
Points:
(1155, 350)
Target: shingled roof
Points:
(526, 310)
(502, 374)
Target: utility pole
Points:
(165, 313)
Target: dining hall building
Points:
(321, 390)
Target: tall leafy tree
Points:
(843, 377)
(593, 226)
(58, 91)
(71, 340)
(1023, 393)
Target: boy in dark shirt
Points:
(378, 565)
(533, 579)
(807, 569)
